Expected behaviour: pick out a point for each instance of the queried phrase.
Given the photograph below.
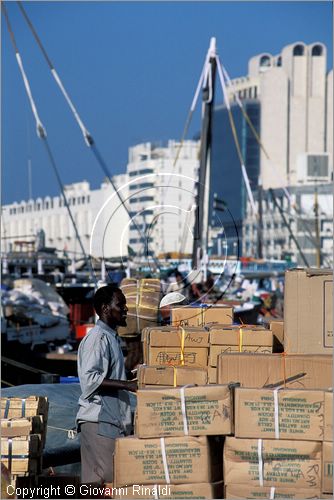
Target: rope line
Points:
(41, 132)
(87, 136)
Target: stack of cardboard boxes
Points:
(274, 408)
(23, 433)
(282, 445)
(177, 443)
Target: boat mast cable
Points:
(90, 142)
(41, 132)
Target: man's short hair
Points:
(103, 296)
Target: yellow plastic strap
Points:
(182, 346)
(175, 377)
(240, 339)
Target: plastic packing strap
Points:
(137, 315)
(241, 337)
(6, 412)
(260, 461)
(156, 492)
(284, 368)
(174, 376)
(182, 346)
(10, 453)
(23, 407)
(164, 459)
(184, 411)
(272, 493)
(276, 413)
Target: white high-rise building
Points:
(162, 197)
(101, 220)
(296, 98)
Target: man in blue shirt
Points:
(104, 407)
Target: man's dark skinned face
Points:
(114, 313)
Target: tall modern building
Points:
(296, 98)
(161, 197)
(289, 100)
(226, 182)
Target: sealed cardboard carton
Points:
(239, 335)
(273, 462)
(242, 491)
(328, 432)
(175, 346)
(185, 459)
(193, 411)
(170, 376)
(238, 339)
(174, 337)
(283, 414)
(216, 350)
(258, 370)
(170, 491)
(201, 316)
(327, 468)
(308, 311)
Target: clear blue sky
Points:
(131, 69)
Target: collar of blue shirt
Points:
(104, 326)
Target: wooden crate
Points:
(24, 407)
(16, 427)
(22, 455)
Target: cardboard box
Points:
(241, 491)
(188, 460)
(235, 339)
(212, 374)
(196, 490)
(295, 464)
(172, 337)
(308, 311)
(258, 370)
(328, 431)
(206, 411)
(216, 350)
(277, 327)
(200, 316)
(299, 414)
(327, 467)
(163, 346)
(170, 376)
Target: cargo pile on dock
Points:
(23, 434)
(235, 411)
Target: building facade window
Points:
(317, 50)
(298, 50)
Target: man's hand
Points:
(132, 385)
(109, 386)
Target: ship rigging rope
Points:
(87, 136)
(41, 132)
